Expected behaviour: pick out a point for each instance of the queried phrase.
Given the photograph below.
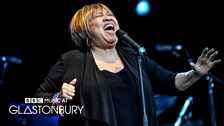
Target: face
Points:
(103, 27)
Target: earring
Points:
(88, 42)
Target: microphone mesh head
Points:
(120, 33)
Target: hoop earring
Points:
(88, 43)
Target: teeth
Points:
(109, 27)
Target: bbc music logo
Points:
(34, 100)
(44, 100)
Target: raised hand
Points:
(206, 61)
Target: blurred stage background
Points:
(36, 33)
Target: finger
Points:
(209, 53)
(64, 95)
(192, 65)
(67, 86)
(204, 52)
(71, 85)
(69, 93)
(213, 55)
(73, 81)
(216, 62)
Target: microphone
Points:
(187, 103)
(165, 47)
(12, 59)
(121, 34)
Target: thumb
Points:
(192, 64)
(73, 81)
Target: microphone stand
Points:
(183, 111)
(209, 78)
(141, 51)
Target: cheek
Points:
(95, 23)
(95, 29)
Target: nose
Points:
(107, 19)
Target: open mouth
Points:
(109, 27)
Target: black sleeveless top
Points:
(125, 98)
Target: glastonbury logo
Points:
(45, 106)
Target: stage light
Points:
(143, 8)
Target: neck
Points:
(106, 55)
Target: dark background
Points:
(36, 31)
